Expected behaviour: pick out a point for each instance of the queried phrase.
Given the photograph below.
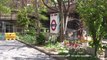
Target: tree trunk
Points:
(37, 22)
(96, 44)
(61, 24)
(65, 23)
(38, 27)
(96, 49)
(61, 32)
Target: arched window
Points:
(73, 24)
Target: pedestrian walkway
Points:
(14, 50)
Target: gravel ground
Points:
(14, 50)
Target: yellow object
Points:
(10, 36)
(83, 41)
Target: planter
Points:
(91, 51)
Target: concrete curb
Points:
(34, 47)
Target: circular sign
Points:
(53, 25)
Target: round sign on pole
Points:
(53, 24)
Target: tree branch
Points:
(59, 4)
(55, 4)
(64, 6)
(48, 6)
(68, 6)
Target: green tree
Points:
(4, 8)
(93, 13)
(63, 7)
(39, 16)
(25, 17)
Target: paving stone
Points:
(14, 50)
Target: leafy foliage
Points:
(42, 14)
(29, 39)
(40, 39)
(57, 47)
(23, 20)
(3, 6)
(92, 13)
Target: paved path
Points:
(14, 50)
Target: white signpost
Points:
(54, 23)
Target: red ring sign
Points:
(53, 25)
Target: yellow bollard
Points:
(10, 36)
(13, 36)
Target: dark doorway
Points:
(9, 28)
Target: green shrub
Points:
(105, 47)
(28, 39)
(105, 36)
(31, 31)
(40, 39)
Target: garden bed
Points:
(58, 50)
(60, 55)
